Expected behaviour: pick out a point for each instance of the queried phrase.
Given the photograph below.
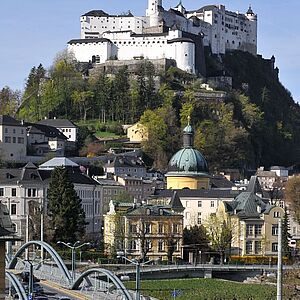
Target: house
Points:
(137, 133)
(109, 190)
(140, 188)
(13, 139)
(143, 231)
(126, 165)
(254, 223)
(24, 192)
(42, 139)
(69, 129)
(198, 204)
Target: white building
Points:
(178, 34)
(24, 191)
(13, 139)
(69, 129)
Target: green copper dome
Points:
(188, 161)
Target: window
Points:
(13, 209)
(275, 229)
(132, 228)
(249, 230)
(20, 140)
(274, 247)
(148, 245)
(199, 203)
(187, 203)
(199, 220)
(258, 228)
(14, 192)
(276, 214)
(7, 139)
(160, 246)
(14, 227)
(147, 228)
(14, 139)
(257, 247)
(248, 247)
(31, 193)
(160, 228)
(175, 228)
(6, 130)
(1, 192)
(132, 245)
(212, 203)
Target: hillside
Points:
(254, 123)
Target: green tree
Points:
(83, 100)
(292, 196)
(219, 232)
(9, 101)
(195, 239)
(65, 211)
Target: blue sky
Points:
(33, 31)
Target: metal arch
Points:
(117, 282)
(6, 260)
(17, 285)
(62, 267)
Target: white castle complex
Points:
(177, 34)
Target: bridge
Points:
(60, 274)
(106, 283)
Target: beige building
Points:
(13, 139)
(137, 133)
(254, 223)
(143, 231)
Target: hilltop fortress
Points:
(176, 34)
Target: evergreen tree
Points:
(64, 208)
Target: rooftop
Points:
(58, 123)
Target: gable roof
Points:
(175, 202)
(248, 205)
(58, 123)
(49, 131)
(9, 121)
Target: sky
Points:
(34, 31)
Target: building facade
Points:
(143, 231)
(13, 139)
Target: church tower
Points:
(153, 11)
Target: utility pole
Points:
(279, 267)
(138, 279)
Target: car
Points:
(64, 298)
(40, 298)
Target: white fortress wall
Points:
(86, 49)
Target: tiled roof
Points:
(87, 41)
(49, 131)
(58, 123)
(9, 121)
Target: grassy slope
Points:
(207, 289)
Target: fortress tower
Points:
(153, 12)
(252, 37)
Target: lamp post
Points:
(138, 264)
(73, 247)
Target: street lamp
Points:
(73, 247)
(138, 264)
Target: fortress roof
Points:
(185, 40)
(88, 41)
(101, 13)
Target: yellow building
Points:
(254, 223)
(188, 168)
(143, 231)
(137, 133)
